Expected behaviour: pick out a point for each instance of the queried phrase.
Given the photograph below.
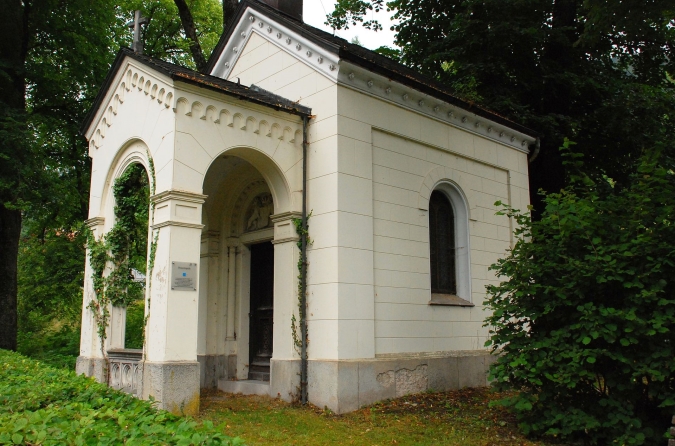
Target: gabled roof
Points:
(362, 57)
(186, 75)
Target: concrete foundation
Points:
(345, 386)
(174, 385)
(285, 379)
(92, 367)
(246, 387)
(211, 369)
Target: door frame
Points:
(243, 293)
(267, 255)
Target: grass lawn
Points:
(450, 418)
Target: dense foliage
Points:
(586, 316)
(163, 37)
(63, 53)
(48, 406)
(127, 241)
(118, 254)
(596, 72)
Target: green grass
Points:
(450, 418)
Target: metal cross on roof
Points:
(136, 26)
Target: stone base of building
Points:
(285, 379)
(245, 387)
(174, 385)
(346, 385)
(213, 368)
(92, 367)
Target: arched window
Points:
(442, 244)
(449, 247)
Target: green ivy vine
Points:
(124, 248)
(98, 258)
(295, 328)
(153, 243)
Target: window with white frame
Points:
(450, 279)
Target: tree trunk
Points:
(191, 33)
(13, 45)
(10, 230)
(229, 7)
(547, 171)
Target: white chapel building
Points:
(400, 178)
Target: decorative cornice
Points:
(134, 80)
(286, 240)
(301, 48)
(283, 216)
(181, 195)
(367, 82)
(210, 235)
(180, 224)
(96, 221)
(238, 118)
(256, 236)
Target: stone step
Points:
(245, 387)
(254, 375)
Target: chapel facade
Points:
(399, 179)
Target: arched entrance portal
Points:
(246, 283)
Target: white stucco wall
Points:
(407, 150)
(369, 161)
(334, 320)
(184, 129)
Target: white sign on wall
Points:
(183, 276)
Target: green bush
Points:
(134, 329)
(49, 303)
(586, 316)
(57, 346)
(49, 406)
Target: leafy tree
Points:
(594, 71)
(41, 110)
(586, 316)
(12, 167)
(165, 37)
(54, 56)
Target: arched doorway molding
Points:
(270, 170)
(233, 182)
(133, 151)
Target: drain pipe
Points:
(303, 267)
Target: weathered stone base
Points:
(174, 385)
(285, 379)
(346, 385)
(92, 367)
(246, 387)
(213, 368)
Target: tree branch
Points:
(229, 7)
(191, 33)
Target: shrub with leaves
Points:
(585, 316)
(128, 238)
(41, 405)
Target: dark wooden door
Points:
(262, 311)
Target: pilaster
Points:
(172, 330)
(285, 377)
(90, 344)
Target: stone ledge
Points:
(246, 387)
(346, 385)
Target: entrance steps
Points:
(259, 370)
(245, 387)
